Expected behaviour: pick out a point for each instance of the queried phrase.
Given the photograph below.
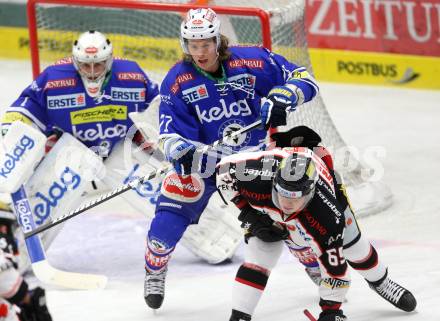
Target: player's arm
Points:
(292, 86)
(179, 131)
(29, 107)
(254, 222)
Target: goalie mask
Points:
(294, 183)
(199, 24)
(92, 58)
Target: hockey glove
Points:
(181, 157)
(262, 226)
(332, 315)
(274, 110)
(36, 310)
(331, 311)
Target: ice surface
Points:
(403, 123)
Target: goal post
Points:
(33, 23)
(148, 32)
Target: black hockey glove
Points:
(274, 110)
(331, 311)
(262, 226)
(332, 315)
(36, 310)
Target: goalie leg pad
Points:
(57, 185)
(23, 149)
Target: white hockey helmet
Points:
(92, 58)
(199, 24)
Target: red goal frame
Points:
(263, 15)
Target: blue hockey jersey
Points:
(202, 109)
(58, 99)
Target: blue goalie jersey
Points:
(203, 109)
(58, 99)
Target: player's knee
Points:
(252, 275)
(263, 254)
(168, 227)
(361, 255)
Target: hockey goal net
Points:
(148, 32)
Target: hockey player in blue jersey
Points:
(88, 95)
(214, 90)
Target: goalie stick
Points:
(40, 265)
(131, 185)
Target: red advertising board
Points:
(394, 26)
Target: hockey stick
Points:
(132, 185)
(40, 265)
(309, 315)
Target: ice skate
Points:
(394, 293)
(154, 288)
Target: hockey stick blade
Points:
(309, 315)
(72, 280)
(40, 265)
(132, 185)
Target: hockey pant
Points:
(214, 236)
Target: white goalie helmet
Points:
(92, 58)
(199, 24)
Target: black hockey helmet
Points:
(296, 176)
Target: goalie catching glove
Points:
(261, 226)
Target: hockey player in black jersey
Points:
(293, 196)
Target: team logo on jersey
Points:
(166, 99)
(195, 94)
(99, 114)
(250, 63)
(237, 108)
(35, 87)
(242, 80)
(66, 101)
(60, 83)
(231, 126)
(128, 94)
(186, 189)
(131, 76)
(99, 132)
(180, 80)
